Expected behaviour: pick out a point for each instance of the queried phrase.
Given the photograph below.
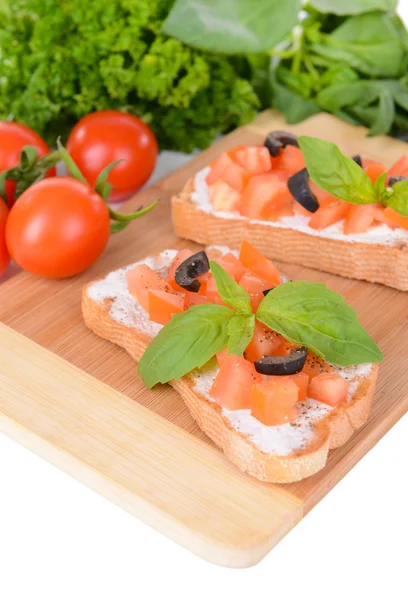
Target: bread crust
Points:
(377, 263)
(332, 431)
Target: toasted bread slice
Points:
(376, 262)
(275, 454)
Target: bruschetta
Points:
(255, 193)
(276, 409)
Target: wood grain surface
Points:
(48, 312)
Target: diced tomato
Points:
(221, 356)
(233, 383)
(212, 291)
(253, 284)
(301, 380)
(396, 217)
(328, 215)
(217, 168)
(274, 402)
(162, 306)
(359, 218)
(373, 169)
(400, 167)
(223, 197)
(264, 342)
(315, 366)
(285, 348)
(289, 160)
(180, 257)
(255, 300)
(141, 279)
(254, 159)
(264, 195)
(232, 265)
(256, 262)
(236, 177)
(329, 388)
(193, 299)
(382, 218)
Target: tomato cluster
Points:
(60, 225)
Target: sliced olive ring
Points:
(277, 140)
(299, 187)
(282, 365)
(396, 179)
(188, 270)
(357, 159)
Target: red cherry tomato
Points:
(13, 138)
(4, 256)
(108, 135)
(58, 228)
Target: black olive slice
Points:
(188, 270)
(396, 179)
(299, 187)
(357, 159)
(277, 140)
(282, 365)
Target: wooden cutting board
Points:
(77, 400)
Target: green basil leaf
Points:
(240, 331)
(371, 43)
(188, 341)
(398, 199)
(380, 183)
(233, 294)
(336, 173)
(232, 26)
(337, 96)
(292, 106)
(385, 114)
(352, 7)
(310, 314)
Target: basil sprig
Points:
(308, 314)
(342, 177)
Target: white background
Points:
(60, 541)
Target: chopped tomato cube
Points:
(236, 177)
(328, 215)
(254, 159)
(217, 168)
(141, 279)
(285, 348)
(233, 383)
(221, 356)
(396, 217)
(289, 160)
(193, 299)
(223, 197)
(400, 167)
(162, 306)
(264, 342)
(253, 284)
(180, 257)
(360, 218)
(212, 291)
(256, 262)
(264, 195)
(255, 300)
(273, 402)
(301, 380)
(382, 218)
(315, 366)
(232, 265)
(329, 388)
(373, 169)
